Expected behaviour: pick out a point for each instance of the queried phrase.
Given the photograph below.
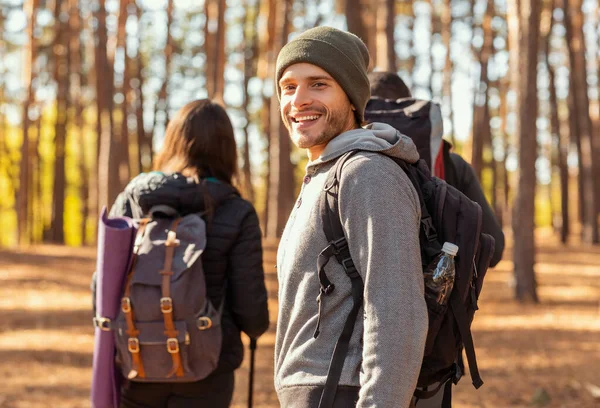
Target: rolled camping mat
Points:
(115, 247)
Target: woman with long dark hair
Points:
(193, 174)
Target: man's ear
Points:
(353, 108)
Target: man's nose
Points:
(301, 97)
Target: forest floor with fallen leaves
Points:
(545, 355)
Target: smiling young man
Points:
(323, 89)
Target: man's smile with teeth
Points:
(305, 118)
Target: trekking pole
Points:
(251, 376)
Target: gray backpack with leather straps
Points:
(167, 329)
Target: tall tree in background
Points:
(122, 136)
(482, 132)
(250, 45)
(144, 139)
(557, 136)
(108, 157)
(354, 10)
(578, 77)
(220, 56)
(77, 82)
(386, 57)
(61, 77)
(266, 68)
(446, 22)
(214, 32)
(22, 194)
(162, 102)
(524, 210)
(281, 174)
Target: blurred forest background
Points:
(87, 88)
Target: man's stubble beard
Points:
(335, 125)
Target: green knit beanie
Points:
(341, 54)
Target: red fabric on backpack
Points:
(439, 165)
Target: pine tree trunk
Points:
(123, 139)
(22, 195)
(524, 211)
(354, 19)
(281, 188)
(446, 21)
(210, 45)
(144, 139)
(386, 57)
(267, 65)
(220, 56)
(561, 151)
(162, 102)
(76, 69)
(250, 61)
(574, 28)
(481, 121)
(108, 163)
(61, 77)
(502, 206)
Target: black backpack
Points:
(447, 215)
(419, 119)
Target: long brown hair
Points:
(199, 141)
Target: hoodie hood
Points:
(375, 137)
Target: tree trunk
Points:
(250, 61)
(61, 77)
(108, 168)
(386, 57)
(524, 214)
(433, 26)
(561, 153)
(265, 71)
(354, 10)
(281, 182)
(210, 46)
(446, 21)
(93, 191)
(123, 140)
(76, 81)
(576, 45)
(162, 102)
(144, 139)
(481, 120)
(22, 195)
(36, 231)
(220, 56)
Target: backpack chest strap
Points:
(166, 302)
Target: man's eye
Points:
(288, 87)
(319, 84)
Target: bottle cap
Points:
(450, 248)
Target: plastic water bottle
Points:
(439, 277)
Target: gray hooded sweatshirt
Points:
(380, 213)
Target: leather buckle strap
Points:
(133, 345)
(103, 323)
(166, 305)
(172, 345)
(204, 323)
(126, 305)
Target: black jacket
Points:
(459, 174)
(232, 259)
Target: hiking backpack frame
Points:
(446, 215)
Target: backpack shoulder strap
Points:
(338, 247)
